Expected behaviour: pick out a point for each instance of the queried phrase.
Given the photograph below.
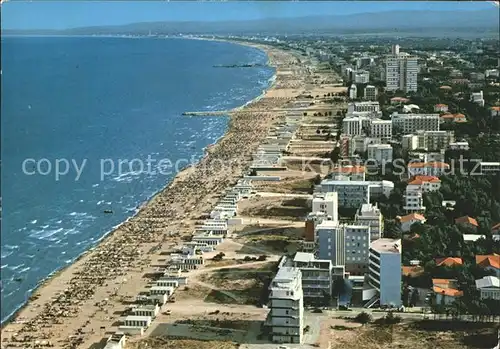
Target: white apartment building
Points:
(463, 145)
(424, 183)
(327, 203)
(489, 287)
(435, 140)
(348, 172)
(433, 168)
(316, 278)
(492, 72)
(489, 167)
(385, 270)
(354, 126)
(362, 77)
(353, 194)
(477, 97)
(414, 200)
(370, 93)
(381, 129)
(286, 317)
(357, 243)
(363, 107)
(353, 92)
(382, 153)
(371, 216)
(409, 142)
(349, 145)
(411, 123)
(401, 72)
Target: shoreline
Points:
(42, 283)
(112, 234)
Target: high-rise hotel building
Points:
(401, 71)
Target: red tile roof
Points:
(450, 292)
(399, 99)
(466, 220)
(448, 261)
(418, 180)
(413, 271)
(492, 260)
(412, 216)
(433, 164)
(444, 287)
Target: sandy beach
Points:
(80, 304)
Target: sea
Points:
(92, 127)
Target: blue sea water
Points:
(94, 98)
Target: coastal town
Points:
(355, 204)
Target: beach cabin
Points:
(116, 341)
(203, 247)
(142, 321)
(218, 227)
(187, 261)
(167, 282)
(168, 290)
(135, 325)
(159, 299)
(211, 240)
(223, 212)
(182, 280)
(151, 310)
(233, 194)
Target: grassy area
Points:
(413, 336)
(191, 291)
(247, 285)
(273, 243)
(302, 186)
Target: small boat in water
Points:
(108, 211)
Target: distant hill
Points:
(395, 21)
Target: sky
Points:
(70, 14)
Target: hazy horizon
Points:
(67, 15)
